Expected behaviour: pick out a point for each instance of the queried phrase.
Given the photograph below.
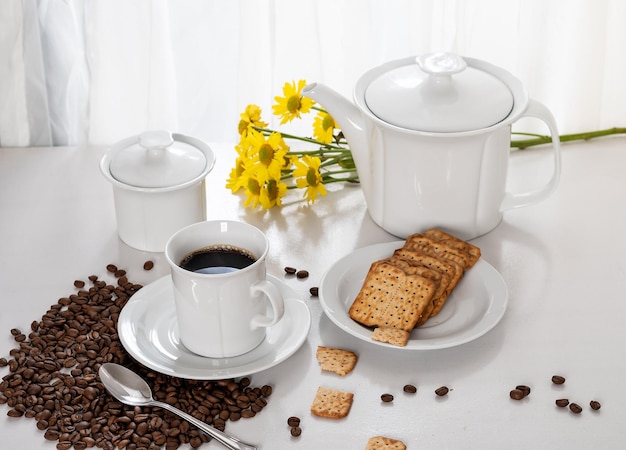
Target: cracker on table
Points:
(384, 443)
(393, 336)
(472, 251)
(336, 360)
(331, 403)
(389, 297)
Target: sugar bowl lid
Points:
(159, 159)
(439, 92)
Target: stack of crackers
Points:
(403, 291)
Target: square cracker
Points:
(472, 251)
(331, 403)
(393, 336)
(413, 267)
(439, 248)
(336, 360)
(449, 269)
(384, 443)
(391, 298)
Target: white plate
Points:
(475, 306)
(148, 330)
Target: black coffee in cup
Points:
(217, 259)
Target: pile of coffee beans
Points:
(53, 379)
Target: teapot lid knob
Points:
(441, 63)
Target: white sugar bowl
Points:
(159, 185)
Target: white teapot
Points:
(430, 137)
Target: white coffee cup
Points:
(223, 314)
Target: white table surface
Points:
(564, 262)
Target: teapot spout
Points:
(344, 112)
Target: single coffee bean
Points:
(296, 431)
(409, 388)
(79, 284)
(575, 408)
(558, 379)
(516, 394)
(148, 265)
(387, 398)
(290, 270)
(314, 291)
(293, 421)
(111, 268)
(302, 274)
(441, 391)
(525, 389)
(595, 405)
(562, 402)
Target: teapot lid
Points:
(439, 93)
(159, 159)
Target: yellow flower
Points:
(293, 103)
(235, 173)
(272, 192)
(251, 117)
(324, 127)
(307, 173)
(266, 153)
(252, 188)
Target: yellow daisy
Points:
(272, 193)
(267, 152)
(292, 103)
(252, 188)
(251, 117)
(307, 173)
(324, 127)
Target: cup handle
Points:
(517, 200)
(275, 298)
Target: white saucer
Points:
(475, 306)
(148, 330)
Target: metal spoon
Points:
(129, 388)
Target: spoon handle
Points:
(227, 441)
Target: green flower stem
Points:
(267, 131)
(539, 139)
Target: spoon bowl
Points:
(129, 388)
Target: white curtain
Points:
(96, 71)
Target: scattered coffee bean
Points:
(525, 389)
(441, 391)
(575, 408)
(302, 274)
(314, 291)
(148, 265)
(79, 284)
(409, 388)
(111, 268)
(387, 398)
(595, 405)
(290, 270)
(119, 273)
(296, 431)
(293, 421)
(562, 402)
(516, 394)
(558, 379)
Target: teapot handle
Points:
(517, 200)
